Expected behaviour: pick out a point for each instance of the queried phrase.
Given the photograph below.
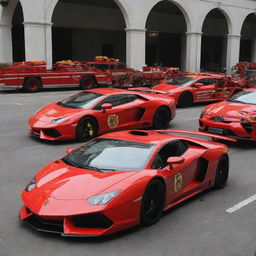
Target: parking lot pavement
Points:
(202, 226)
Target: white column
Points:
(193, 51)
(38, 41)
(135, 47)
(233, 51)
(6, 43)
(253, 58)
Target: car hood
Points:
(53, 111)
(166, 87)
(231, 109)
(64, 182)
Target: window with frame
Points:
(173, 148)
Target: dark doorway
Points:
(18, 41)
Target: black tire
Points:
(152, 203)
(86, 129)
(185, 100)
(162, 118)
(222, 170)
(32, 84)
(87, 82)
(137, 81)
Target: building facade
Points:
(192, 34)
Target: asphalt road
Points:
(198, 227)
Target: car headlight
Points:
(31, 185)
(59, 120)
(203, 113)
(103, 198)
(253, 118)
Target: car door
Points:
(125, 112)
(206, 91)
(182, 179)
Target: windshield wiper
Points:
(71, 163)
(98, 169)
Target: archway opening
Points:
(165, 40)
(18, 42)
(214, 42)
(248, 39)
(83, 29)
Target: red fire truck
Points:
(33, 75)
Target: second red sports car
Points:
(90, 113)
(234, 117)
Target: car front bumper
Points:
(231, 129)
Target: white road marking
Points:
(17, 103)
(241, 204)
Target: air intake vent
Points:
(139, 133)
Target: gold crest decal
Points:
(113, 121)
(177, 182)
(45, 203)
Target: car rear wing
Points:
(147, 90)
(198, 133)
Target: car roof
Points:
(107, 91)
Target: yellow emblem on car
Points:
(113, 121)
(177, 182)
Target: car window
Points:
(121, 66)
(117, 100)
(174, 148)
(207, 81)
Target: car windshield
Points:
(111, 155)
(83, 100)
(182, 81)
(245, 97)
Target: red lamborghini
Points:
(97, 111)
(198, 88)
(122, 179)
(234, 117)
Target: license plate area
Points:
(215, 130)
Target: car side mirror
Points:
(106, 106)
(175, 160)
(198, 85)
(69, 150)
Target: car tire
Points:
(87, 128)
(137, 81)
(32, 84)
(162, 117)
(152, 203)
(222, 171)
(87, 82)
(185, 100)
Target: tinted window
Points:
(102, 67)
(246, 97)
(111, 155)
(121, 66)
(182, 81)
(117, 100)
(81, 100)
(174, 148)
(206, 81)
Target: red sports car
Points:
(97, 111)
(197, 88)
(122, 179)
(234, 117)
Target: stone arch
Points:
(8, 46)
(83, 25)
(171, 22)
(216, 27)
(181, 5)
(248, 38)
(52, 5)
